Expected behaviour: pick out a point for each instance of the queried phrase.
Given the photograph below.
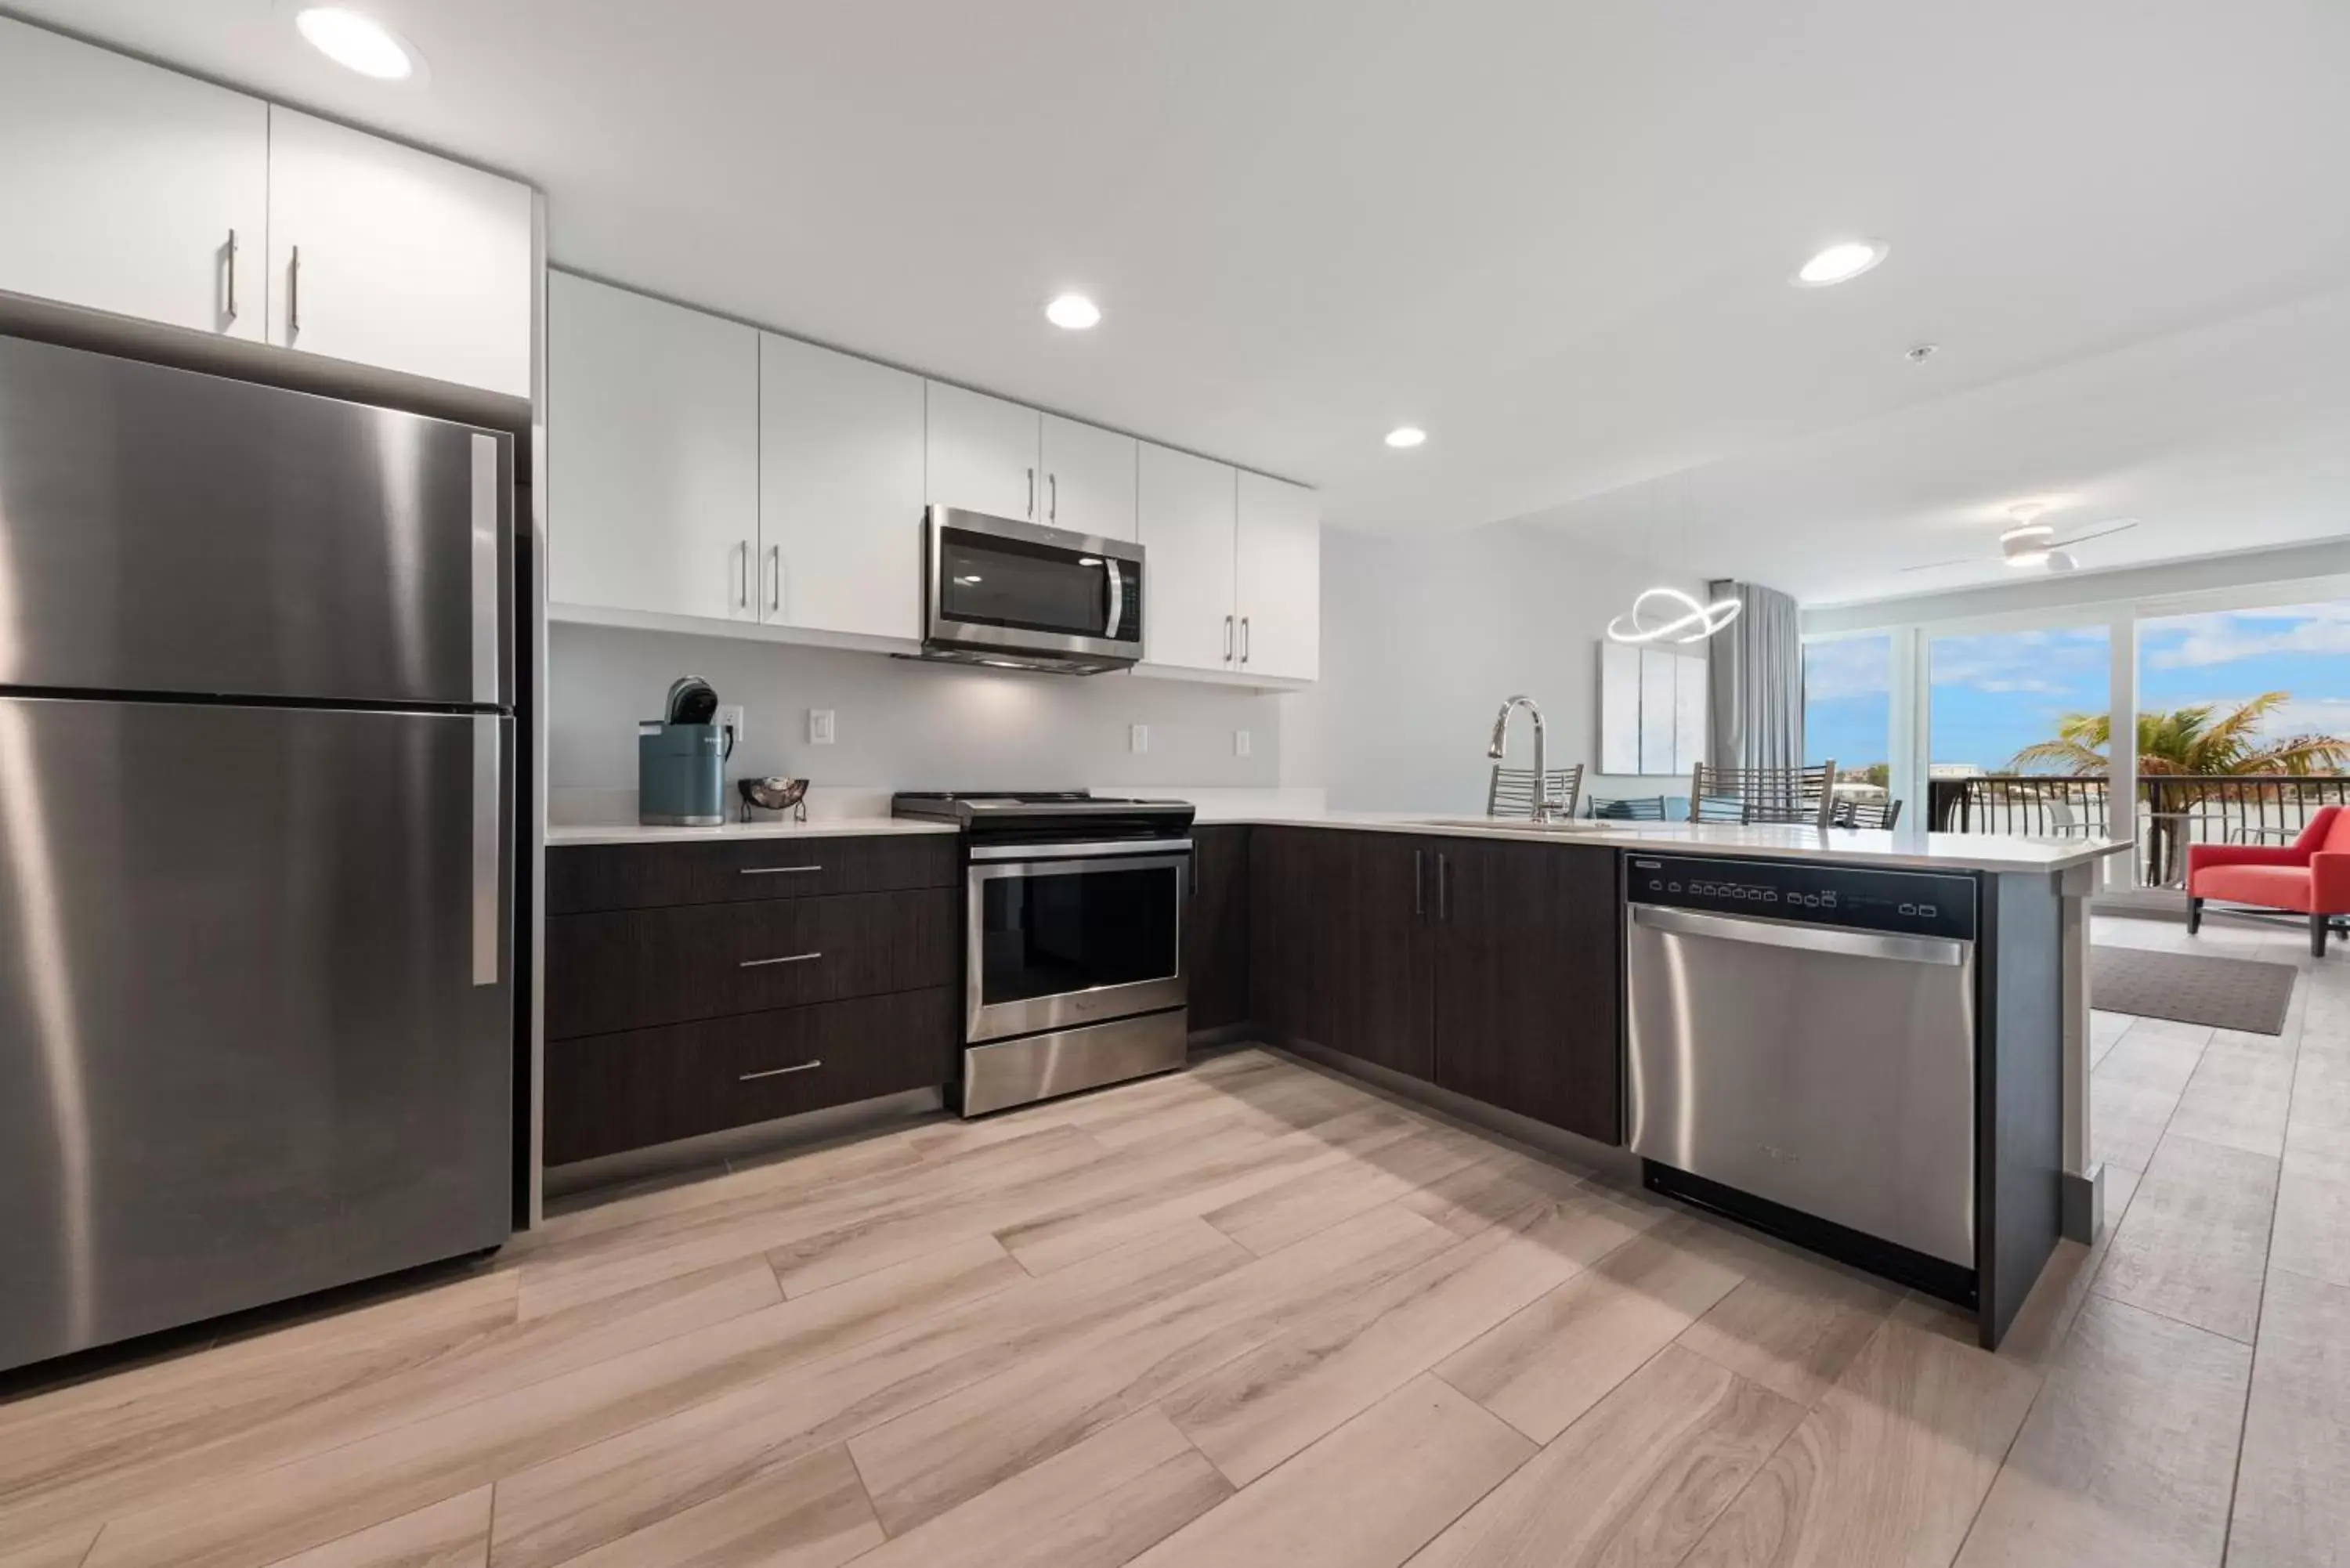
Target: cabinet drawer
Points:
(636, 969)
(615, 1092)
(582, 879)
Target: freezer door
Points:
(255, 1014)
(166, 531)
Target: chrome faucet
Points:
(1501, 745)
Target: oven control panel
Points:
(1917, 903)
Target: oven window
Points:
(1031, 587)
(1047, 933)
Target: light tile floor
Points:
(1258, 1313)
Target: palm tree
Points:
(2199, 741)
(2188, 741)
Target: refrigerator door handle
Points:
(485, 572)
(489, 761)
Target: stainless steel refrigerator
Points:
(256, 787)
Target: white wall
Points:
(899, 725)
(1422, 638)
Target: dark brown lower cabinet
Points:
(606, 1093)
(1216, 930)
(1338, 942)
(1487, 968)
(1527, 950)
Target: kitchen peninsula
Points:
(1889, 1026)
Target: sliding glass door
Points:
(2243, 729)
(2016, 731)
(1848, 713)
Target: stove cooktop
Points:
(982, 812)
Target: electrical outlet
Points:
(819, 726)
(1239, 742)
(730, 717)
(1137, 739)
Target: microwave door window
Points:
(1049, 935)
(990, 582)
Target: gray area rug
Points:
(2225, 992)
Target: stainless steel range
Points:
(1073, 940)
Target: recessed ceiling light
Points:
(356, 42)
(1073, 312)
(1405, 435)
(1840, 263)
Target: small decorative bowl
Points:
(773, 794)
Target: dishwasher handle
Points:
(1839, 940)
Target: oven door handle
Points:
(1025, 853)
(1842, 942)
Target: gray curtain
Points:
(1754, 682)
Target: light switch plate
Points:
(1239, 742)
(1138, 738)
(819, 726)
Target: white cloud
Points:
(2192, 641)
(1844, 667)
(2065, 663)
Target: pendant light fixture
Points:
(1669, 614)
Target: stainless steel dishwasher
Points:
(1805, 1035)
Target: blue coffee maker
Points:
(681, 760)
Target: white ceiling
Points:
(1555, 234)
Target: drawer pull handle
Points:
(779, 1072)
(774, 870)
(787, 958)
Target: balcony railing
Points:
(2173, 811)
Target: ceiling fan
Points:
(2033, 543)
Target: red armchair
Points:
(2311, 876)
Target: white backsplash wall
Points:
(1421, 639)
(898, 723)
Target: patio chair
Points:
(2309, 877)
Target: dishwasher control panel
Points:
(1916, 903)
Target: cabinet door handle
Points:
(1244, 639)
(779, 1072)
(1419, 894)
(1051, 498)
(743, 583)
(1228, 639)
(294, 294)
(231, 311)
(787, 958)
(774, 870)
(1032, 493)
(775, 582)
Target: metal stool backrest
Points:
(1637, 808)
(1871, 814)
(1510, 791)
(1796, 796)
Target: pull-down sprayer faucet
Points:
(1541, 810)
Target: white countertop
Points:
(1925, 851)
(820, 827)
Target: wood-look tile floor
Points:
(1257, 1313)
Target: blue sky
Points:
(1995, 693)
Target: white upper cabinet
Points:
(840, 492)
(1188, 509)
(1278, 587)
(982, 454)
(122, 185)
(652, 455)
(1089, 479)
(393, 257)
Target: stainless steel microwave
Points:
(1020, 596)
